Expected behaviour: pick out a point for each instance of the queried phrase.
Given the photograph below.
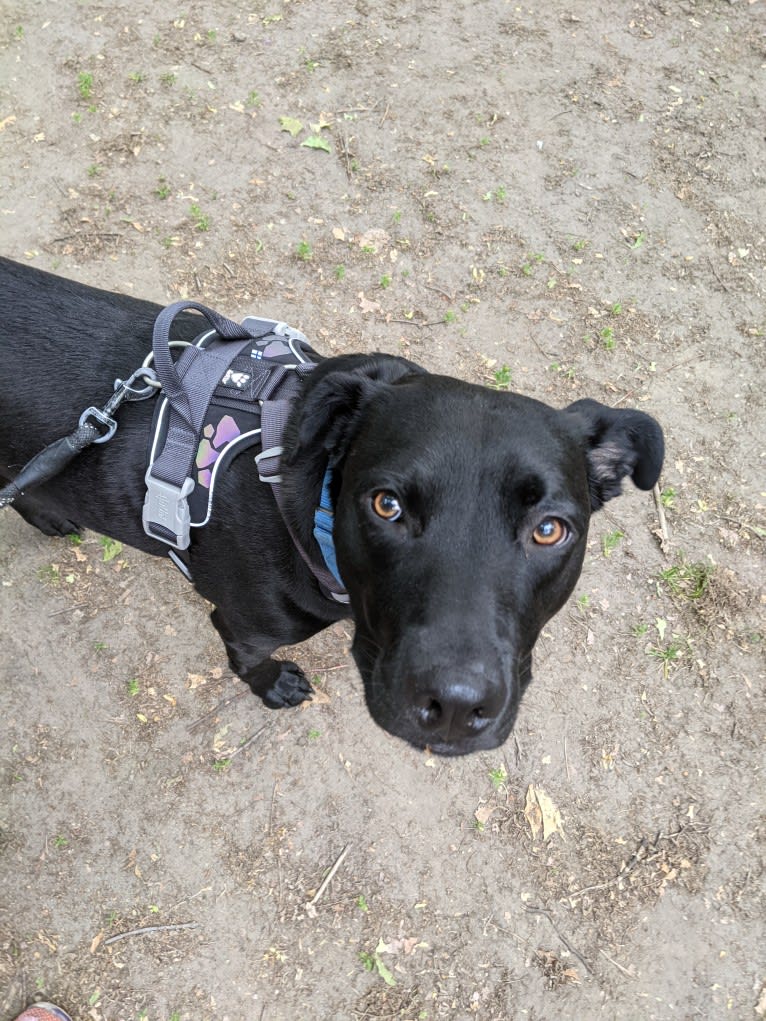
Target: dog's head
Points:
(461, 517)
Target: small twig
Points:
(616, 964)
(149, 929)
(661, 515)
(66, 609)
(221, 705)
(439, 290)
(310, 907)
(572, 950)
(246, 744)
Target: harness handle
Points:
(165, 367)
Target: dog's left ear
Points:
(337, 393)
(618, 443)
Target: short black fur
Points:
(448, 599)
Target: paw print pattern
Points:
(211, 445)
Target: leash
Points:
(232, 363)
(96, 425)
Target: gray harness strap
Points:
(188, 385)
(273, 420)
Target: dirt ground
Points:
(568, 194)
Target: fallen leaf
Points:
(291, 124)
(484, 813)
(95, 943)
(542, 814)
(339, 234)
(366, 305)
(316, 142)
(194, 681)
(6, 121)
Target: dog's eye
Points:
(550, 532)
(386, 505)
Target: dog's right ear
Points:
(336, 394)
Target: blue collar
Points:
(323, 528)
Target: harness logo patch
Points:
(211, 445)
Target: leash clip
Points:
(166, 509)
(108, 423)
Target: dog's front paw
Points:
(280, 684)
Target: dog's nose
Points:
(457, 709)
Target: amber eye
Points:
(386, 505)
(550, 532)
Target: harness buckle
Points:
(166, 510)
(103, 419)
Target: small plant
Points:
(501, 378)
(688, 581)
(340, 272)
(201, 220)
(361, 903)
(162, 191)
(137, 77)
(616, 309)
(221, 765)
(111, 547)
(99, 646)
(611, 541)
(133, 687)
(498, 777)
(580, 245)
(607, 338)
(304, 251)
(637, 241)
(60, 842)
(532, 260)
(450, 316)
(74, 539)
(583, 603)
(397, 217)
(385, 281)
(18, 33)
(168, 77)
(212, 35)
(253, 99)
(667, 497)
(313, 734)
(94, 170)
(498, 195)
(50, 574)
(85, 84)
(667, 653)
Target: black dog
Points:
(461, 513)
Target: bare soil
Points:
(572, 190)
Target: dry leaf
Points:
(483, 814)
(366, 305)
(542, 814)
(195, 680)
(95, 943)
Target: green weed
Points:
(85, 84)
(611, 541)
(304, 251)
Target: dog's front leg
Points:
(279, 683)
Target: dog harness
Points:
(231, 390)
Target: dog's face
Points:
(461, 520)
